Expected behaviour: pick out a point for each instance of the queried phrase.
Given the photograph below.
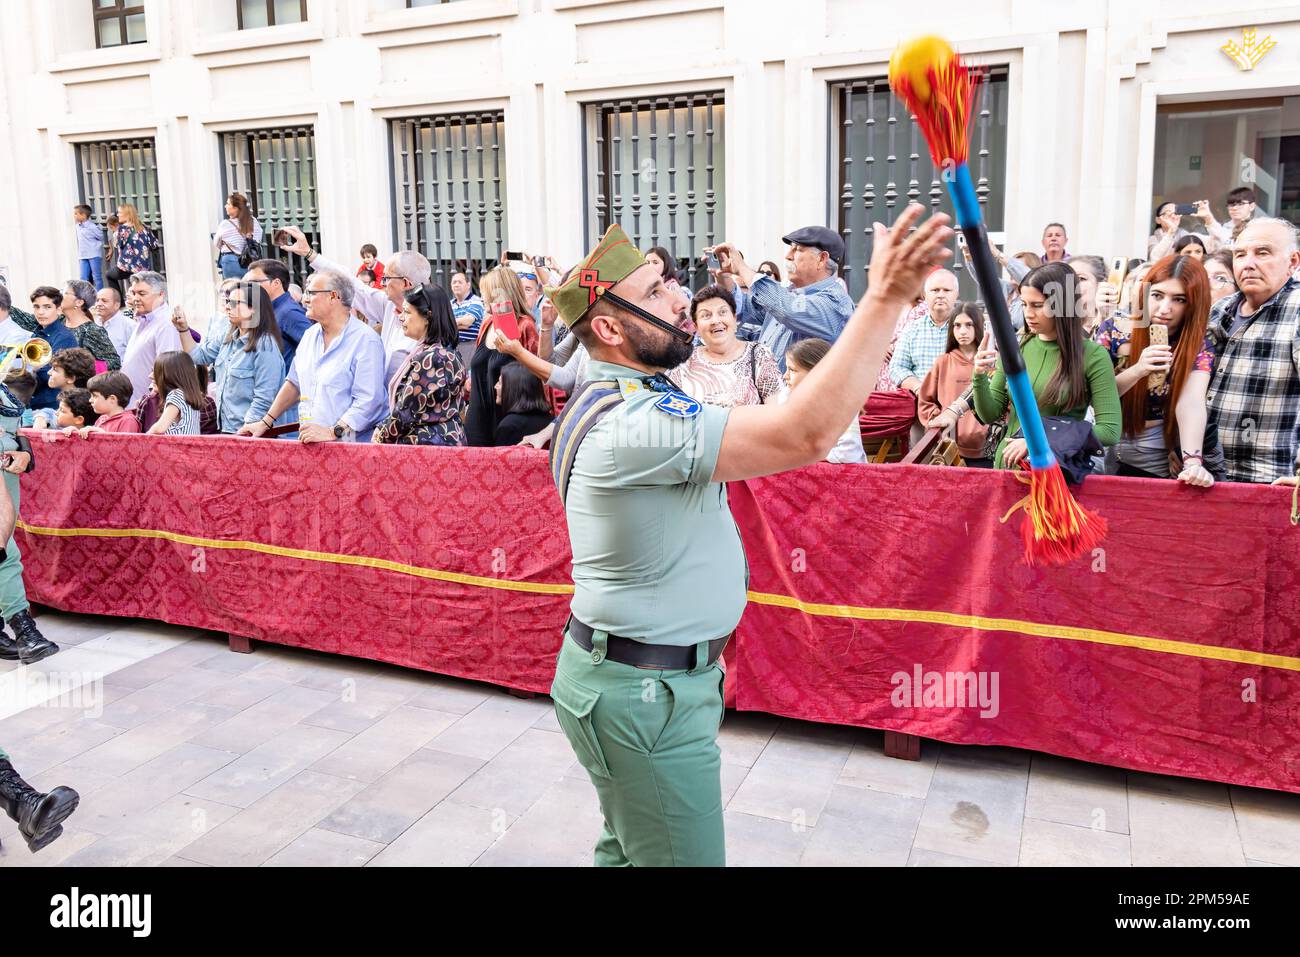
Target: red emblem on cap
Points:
(588, 279)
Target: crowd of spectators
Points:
(1181, 365)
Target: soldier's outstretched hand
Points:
(900, 260)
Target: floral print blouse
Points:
(134, 248)
(429, 403)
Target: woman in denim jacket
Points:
(247, 364)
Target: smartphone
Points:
(504, 319)
(711, 261)
(1118, 270)
(514, 255)
(281, 238)
(1185, 209)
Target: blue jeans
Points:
(228, 263)
(92, 270)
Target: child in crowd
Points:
(801, 358)
(523, 406)
(69, 369)
(945, 399)
(370, 261)
(76, 411)
(110, 393)
(23, 386)
(176, 380)
(90, 245)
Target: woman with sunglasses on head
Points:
(246, 359)
(426, 397)
(1167, 433)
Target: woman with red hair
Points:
(1162, 391)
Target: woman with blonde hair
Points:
(501, 292)
(135, 242)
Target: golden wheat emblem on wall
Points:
(1251, 50)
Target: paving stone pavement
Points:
(186, 754)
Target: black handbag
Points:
(253, 251)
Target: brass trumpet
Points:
(34, 353)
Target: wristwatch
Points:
(341, 430)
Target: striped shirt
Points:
(472, 306)
(230, 241)
(1254, 395)
(188, 423)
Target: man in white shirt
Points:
(402, 272)
(110, 314)
(154, 333)
(337, 376)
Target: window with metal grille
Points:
(882, 163)
(270, 13)
(276, 170)
(654, 165)
(449, 190)
(111, 173)
(118, 22)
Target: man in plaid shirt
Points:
(1254, 395)
(924, 341)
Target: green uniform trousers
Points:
(13, 596)
(649, 741)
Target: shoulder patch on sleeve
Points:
(679, 405)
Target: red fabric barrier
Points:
(1174, 649)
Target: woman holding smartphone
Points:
(504, 297)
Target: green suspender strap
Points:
(591, 403)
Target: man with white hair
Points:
(337, 377)
(113, 318)
(925, 340)
(403, 271)
(154, 333)
(1254, 395)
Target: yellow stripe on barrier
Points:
(1036, 629)
(537, 588)
(950, 619)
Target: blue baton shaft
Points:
(971, 223)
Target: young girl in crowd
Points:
(176, 379)
(1218, 266)
(1067, 371)
(1191, 245)
(522, 405)
(800, 359)
(944, 399)
(1166, 434)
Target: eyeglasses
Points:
(312, 293)
(391, 278)
(1221, 280)
(232, 302)
(1240, 202)
(767, 272)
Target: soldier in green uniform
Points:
(659, 571)
(39, 816)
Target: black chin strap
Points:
(640, 313)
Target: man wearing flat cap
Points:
(816, 306)
(659, 571)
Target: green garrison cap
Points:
(613, 260)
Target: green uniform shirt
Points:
(656, 553)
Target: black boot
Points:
(32, 646)
(39, 816)
(8, 647)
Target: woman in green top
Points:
(1068, 372)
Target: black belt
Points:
(629, 651)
